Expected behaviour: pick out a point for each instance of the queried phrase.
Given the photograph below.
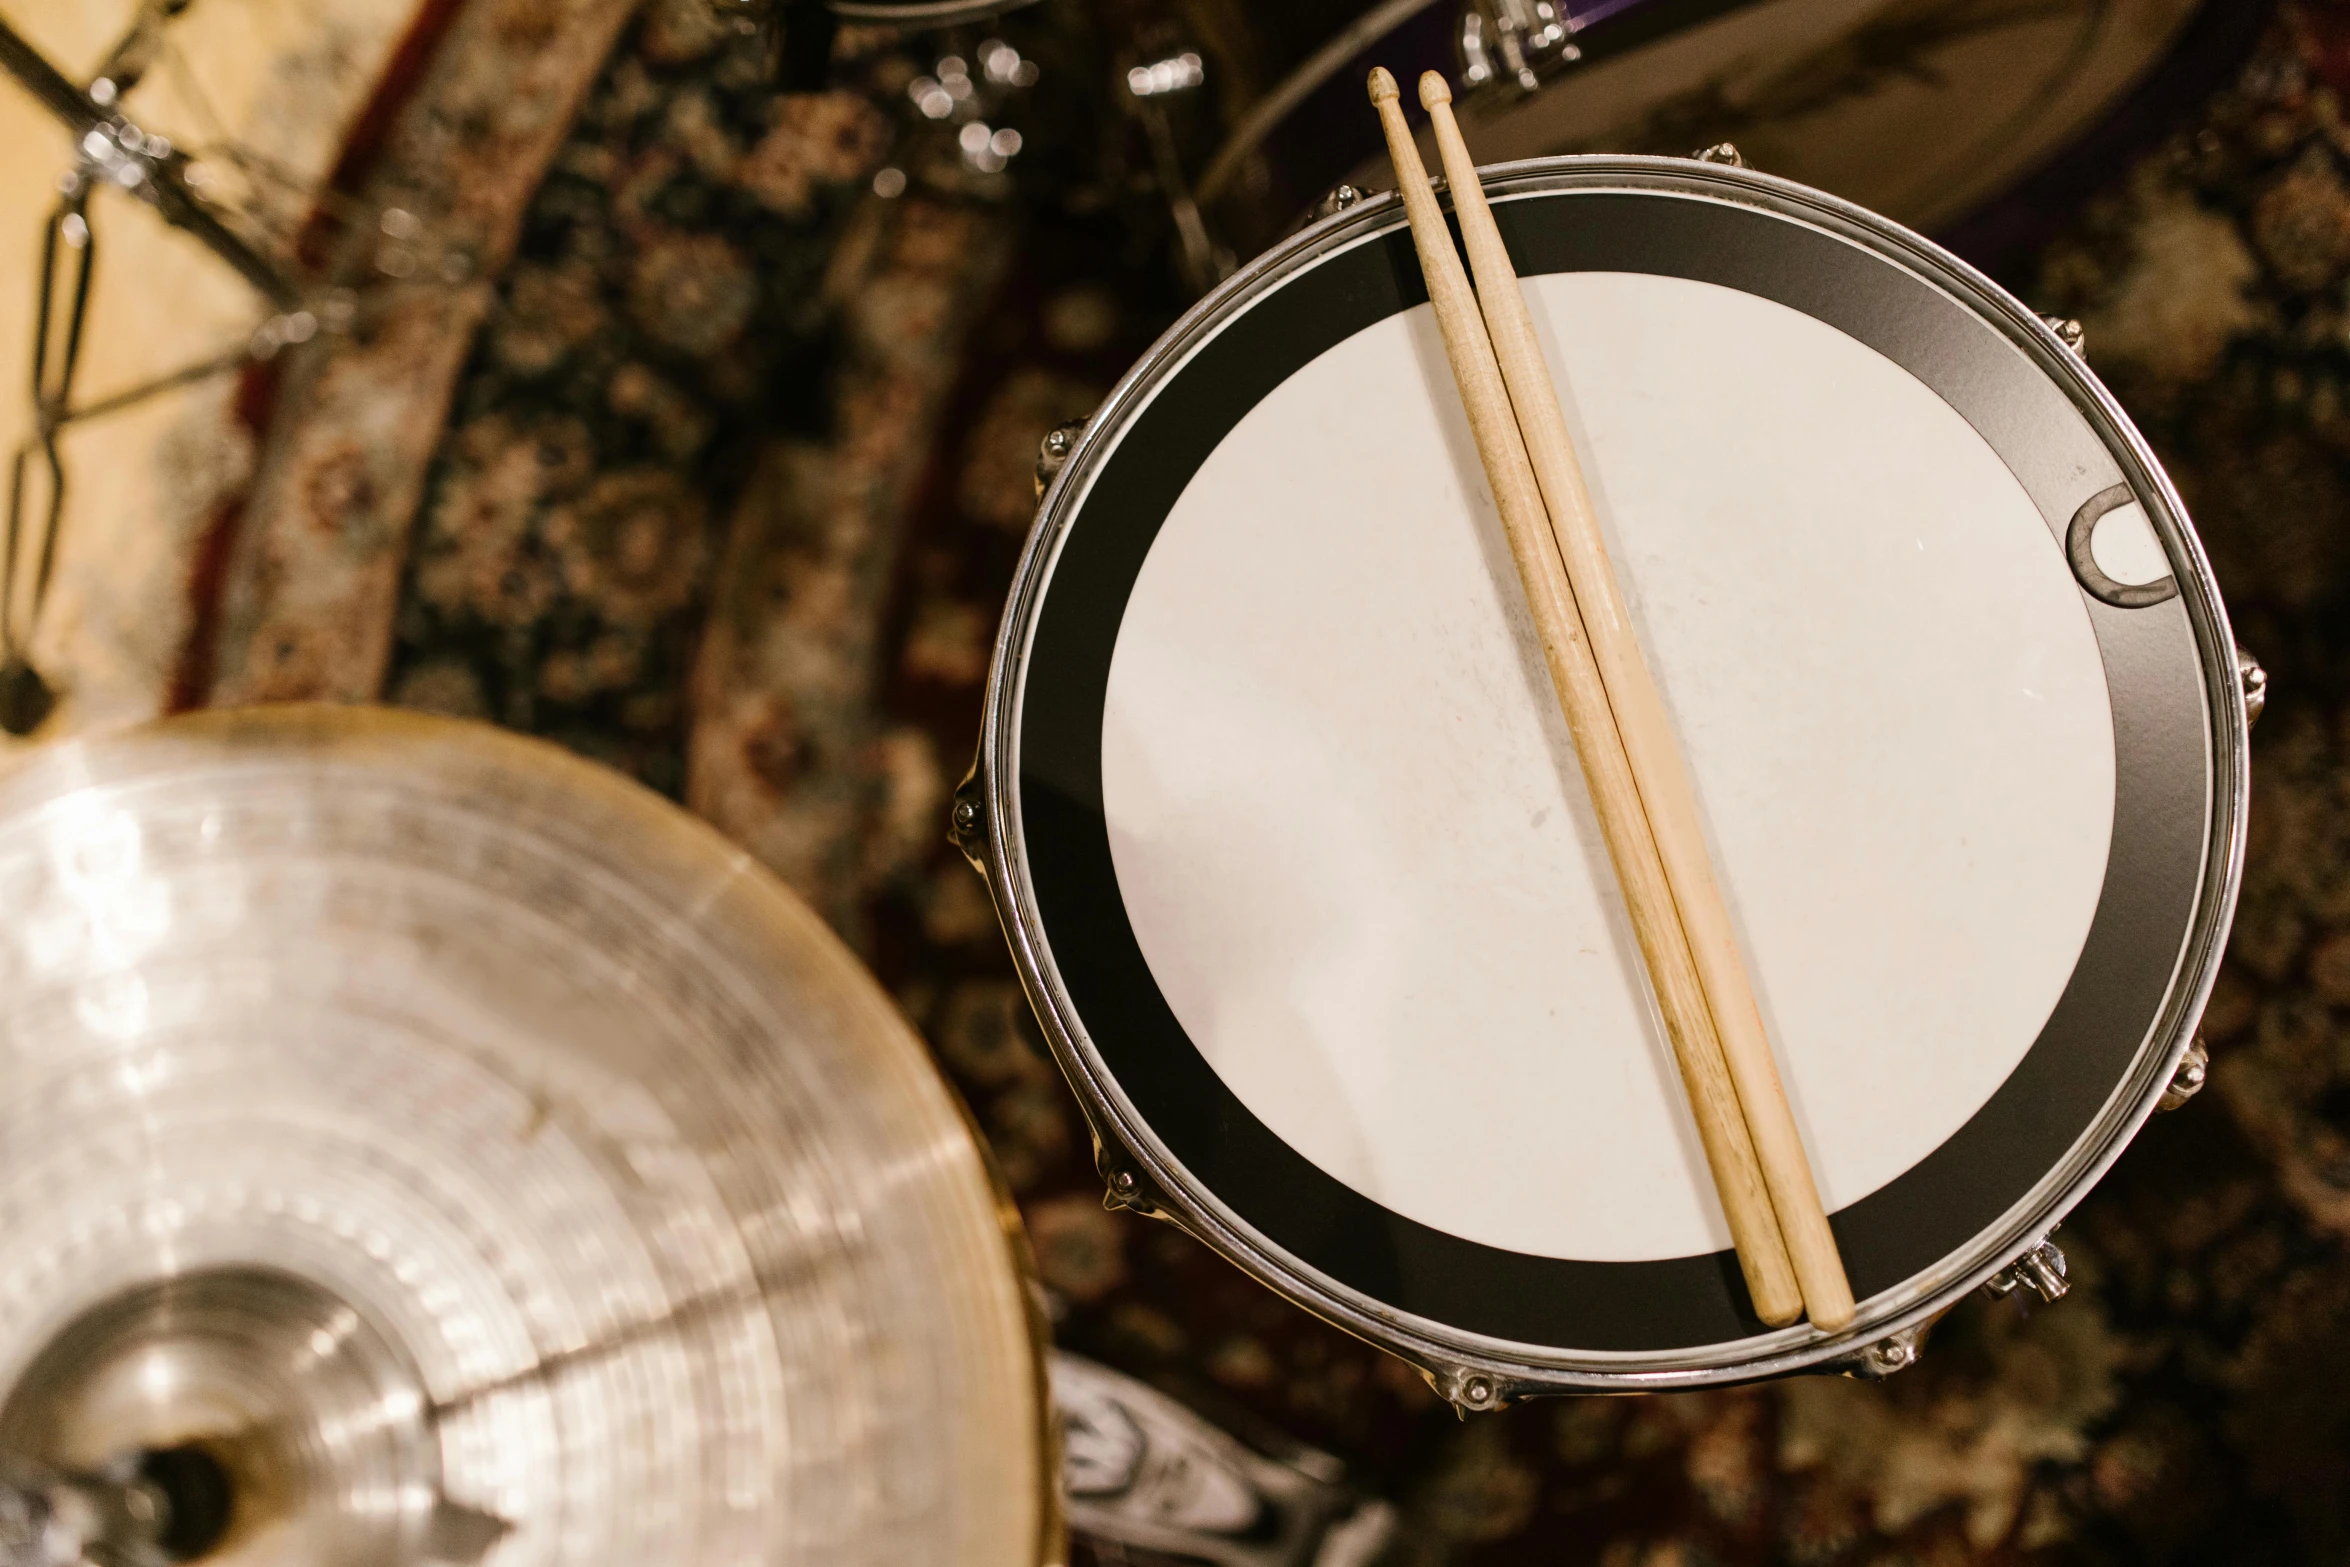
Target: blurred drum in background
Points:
(922, 13)
(1927, 111)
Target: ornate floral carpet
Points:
(729, 497)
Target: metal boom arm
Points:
(157, 180)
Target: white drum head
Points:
(1353, 835)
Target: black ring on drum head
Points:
(2117, 994)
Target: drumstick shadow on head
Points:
(1575, 675)
(1660, 777)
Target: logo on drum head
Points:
(2078, 539)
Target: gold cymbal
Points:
(447, 1151)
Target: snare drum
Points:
(1291, 843)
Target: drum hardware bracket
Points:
(967, 819)
(1338, 199)
(2185, 1083)
(1469, 1392)
(1721, 152)
(2041, 1269)
(1126, 1189)
(1896, 1351)
(2070, 333)
(2254, 681)
(1052, 453)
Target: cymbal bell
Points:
(419, 1145)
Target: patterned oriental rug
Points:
(711, 460)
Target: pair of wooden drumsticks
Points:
(1631, 762)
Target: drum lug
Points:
(1124, 1187)
(967, 819)
(1468, 1390)
(2188, 1080)
(1053, 451)
(2041, 1269)
(1896, 1351)
(1720, 152)
(2253, 680)
(1338, 200)
(2070, 333)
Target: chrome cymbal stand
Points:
(113, 1520)
(111, 151)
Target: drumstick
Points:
(1680, 995)
(1647, 730)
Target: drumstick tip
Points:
(1383, 88)
(1434, 89)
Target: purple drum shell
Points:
(1328, 138)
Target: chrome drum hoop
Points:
(1477, 1371)
(922, 13)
